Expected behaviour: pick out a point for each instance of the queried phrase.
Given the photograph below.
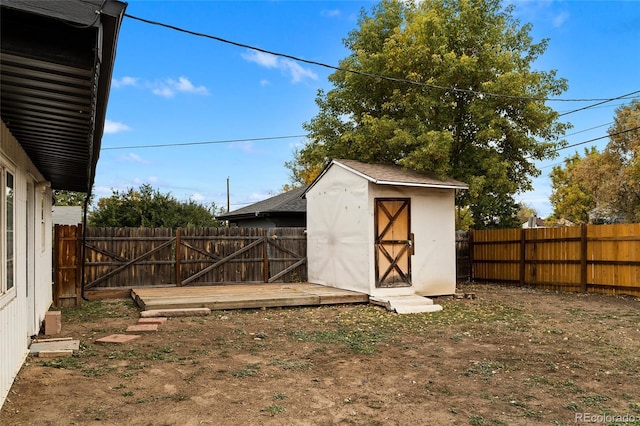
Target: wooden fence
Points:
(117, 259)
(463, 258)
(589, 258)
(593, 258)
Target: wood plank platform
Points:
(241, 296)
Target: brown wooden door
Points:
(393, 242)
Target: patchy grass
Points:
(510, 357)
(99, 309)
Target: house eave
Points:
(56, 65)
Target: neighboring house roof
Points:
(56, 64)
(534, 222)
(564, 222)
(66, 215)
(387, 174)
(287, 203)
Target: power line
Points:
(362, 73)
(597, 139)
(204, 143)
(599, 103)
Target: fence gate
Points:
(123, 258)
(219, 255)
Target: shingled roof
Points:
(285, 203)
(387, 174)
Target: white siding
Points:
(339, 228)
(15, 326)
(340, 235)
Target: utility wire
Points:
(204, 143)
(599, 103)
(362, 73)
(304, 136)
(597, 139)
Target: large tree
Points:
(148, 207)
(70, 198)
(466, 102)
(603, 187)
(570, 197)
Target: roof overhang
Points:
(56, 64)
(440, 185)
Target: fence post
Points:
(583, 257)
(56, 265)
(265, 257)
(523, 254)
(178, 256)
(471, 268)
(79, 262)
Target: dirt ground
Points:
(512, 356)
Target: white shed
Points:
(382, 230)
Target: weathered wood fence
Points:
(589, 258)
(117, 259)
(463, 258)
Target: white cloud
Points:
(330, 13)
(123, 82)
(560, 19)
(111, 127)
(246, 147)
(297, 72)
(256, 196)
(263, 59)
(198, 198)
(169, 87)
(166, 88)
(264, 83)
(286, 66)
(135, 158)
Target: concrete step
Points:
(411, 304)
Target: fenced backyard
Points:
(591, 258)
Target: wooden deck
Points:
(240, 296)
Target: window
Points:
(7, 230)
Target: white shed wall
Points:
(339, 231)
(433, 266)
(23, 307)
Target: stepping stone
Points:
(142, 327)
(159, 320)
(410, 304)
(186, 312)
(117, 338)
(54, 345)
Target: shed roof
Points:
(290, 202)
(388, 174)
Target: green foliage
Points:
(570, 198)
(603, 187)
(70, 198)
(525, 212)
(150, 208)
(489, 142)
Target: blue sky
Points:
(173, 88)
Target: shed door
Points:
(393, 242)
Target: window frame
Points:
(7, 236)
